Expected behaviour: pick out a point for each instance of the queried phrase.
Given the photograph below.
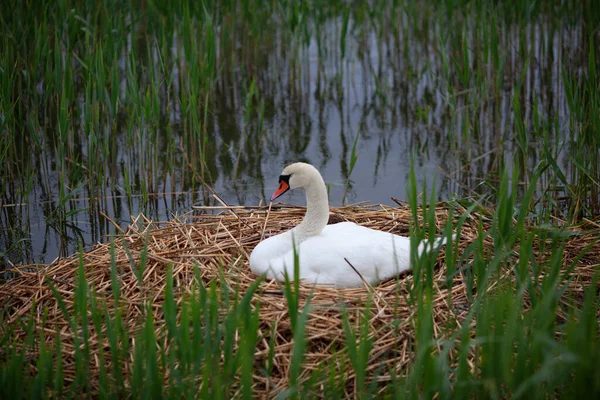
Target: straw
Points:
(214, 240)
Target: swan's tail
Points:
(431, 245)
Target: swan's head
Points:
(294, 176)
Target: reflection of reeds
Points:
(172, 308)
(350, 167)
(121, 90)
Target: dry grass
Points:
(226, 239)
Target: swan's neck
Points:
(317, 210)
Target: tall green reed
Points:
(512, 340)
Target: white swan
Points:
(321, 248)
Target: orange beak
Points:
(283, 187)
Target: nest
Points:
(214, 242)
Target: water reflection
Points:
(428, 92)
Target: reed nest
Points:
(219, 245)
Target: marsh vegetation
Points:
(112, 109)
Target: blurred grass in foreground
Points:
(526, 327)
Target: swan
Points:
(323, 249)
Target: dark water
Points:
(401, 94)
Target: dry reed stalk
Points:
(212, 241)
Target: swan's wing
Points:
(375, 255)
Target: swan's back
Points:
(376, 255)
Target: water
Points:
(401, 94)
